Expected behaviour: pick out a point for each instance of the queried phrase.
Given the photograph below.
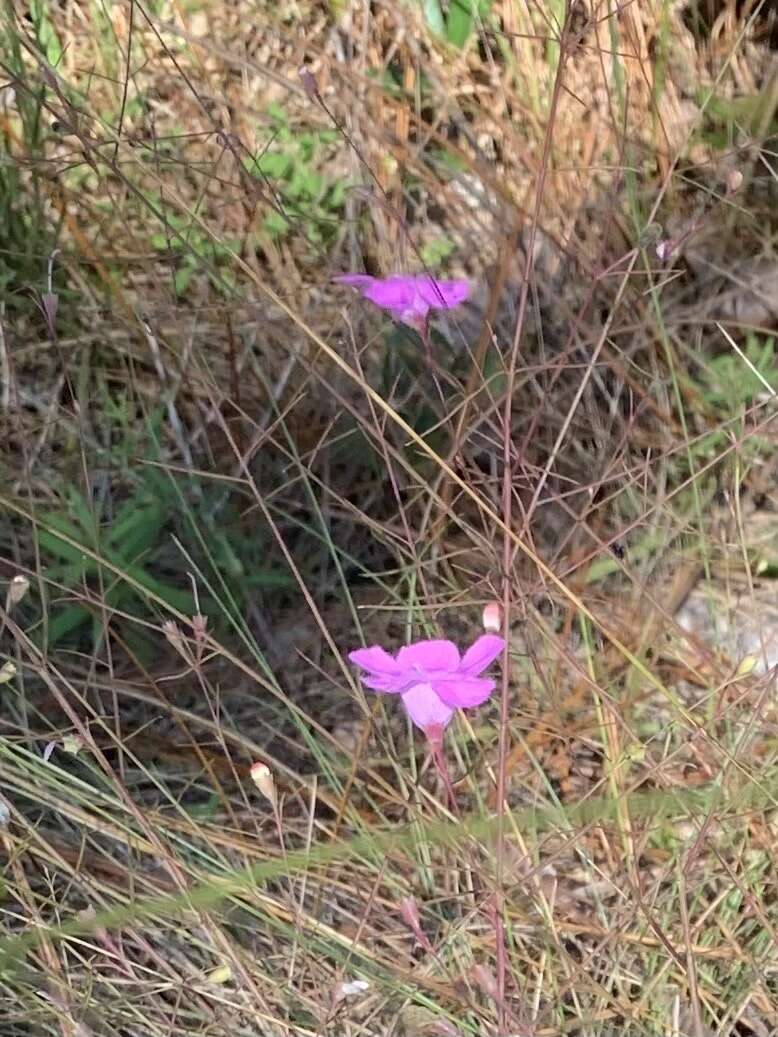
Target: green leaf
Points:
(433, 16)
(276, 225)
(50, 542)
(225, 556)
(270, 579)
(83, 514)
(729, 381)
(136, 529)
(276, 113)
(461, 18)
(435, 251)
(65, 621)
(47, 35)
(311, 183)
(182, 278)
(204, 811)
(177, 599)
(337, 195)
(274, 164)
(295, 187)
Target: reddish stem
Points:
(435, 741)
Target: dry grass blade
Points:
(225, 471)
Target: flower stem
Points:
(439, 758)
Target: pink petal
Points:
(463, 693)
(386, 683)
(415, 314)
(395, 293)
(407, 297)
(384, 674)
(425, 708)
(375, 660)
(480, 654)
(442, 294)
(423, 656)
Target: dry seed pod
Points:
(17, 589)
(263, 779)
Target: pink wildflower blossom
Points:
(431, 677)
(409, 298)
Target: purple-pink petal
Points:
(375, 660)
(383, 672)
(386, 683)
(463, 692)
(480, 654)
(425, 708)
(408, 296)
(429, 656)
(393, 293)
(415, 314)
(442, 294)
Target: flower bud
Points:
(17, 588)
(263, 779)
(72, 744)
(492, 617)
(734, 180)
(308, 80)
(349, 989)
(174, 637)
(410, 915)
(7, 671)
(485, 979)
(220, 975)
(664, 250)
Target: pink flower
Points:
(431, 677)
(409, 298)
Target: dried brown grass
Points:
(628, 880)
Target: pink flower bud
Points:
(410, 915)
(664, 250)
(308, 80)
(443, 1028)
(492, 617)
(485, 980)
